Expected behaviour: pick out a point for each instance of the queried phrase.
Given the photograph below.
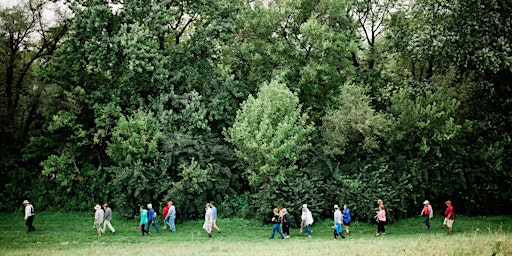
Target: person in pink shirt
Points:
(381, 220)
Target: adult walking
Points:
(214, 212)
(29, 215)
(307, 217)
(427, 212)
(99, 215)
(208, 220)
(276, 220)
(346, 218)
(108, 218)
(143, 220)
(449, 216)
(286, 223)
(338, 229)
(164, 215)
(151, 218)
(171, 216)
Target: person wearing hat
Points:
(427, 212)
(98, 219)
(449, 216)
(29, 215)
(208, 220)
(108, 218)
(151, 217)
(338, 229)
(171, 216)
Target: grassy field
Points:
(73, 234)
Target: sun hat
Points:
(336, 206)
(97, 207)
(25, 202)
(425, 202)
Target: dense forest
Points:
(255, 104)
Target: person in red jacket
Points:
(164, 215)
(449, 216)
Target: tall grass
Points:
(72, 234)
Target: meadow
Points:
(73, 234)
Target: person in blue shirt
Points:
(214, 211)
(171, 216)
(346, 218)
(151, 219)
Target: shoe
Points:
(287, 237)
(209, 235)
(376, 234)
(309, 236)
(348, 231)
(220, 231)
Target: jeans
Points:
(277, 227)
(308, 230)
(172, 226)
(166, 221)
(427, 221)
(154, 225)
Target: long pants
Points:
(154, 225)
(29, 222)
(277, 227)
(380, 227)
(143, 229)
(172, 227)
(107, 224)
(427, 221)
(338, 231)
(286, 229)
(308, 229)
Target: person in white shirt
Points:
(208, 220)
(338, 229)
(307, 218)
(29, 215)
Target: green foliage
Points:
(354, 122)
(237, 206)
(270, 133)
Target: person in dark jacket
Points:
(286, 223)
(277, 224)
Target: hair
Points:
(276, 210)
(379, 201)
(381, 207)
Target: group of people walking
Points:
(281, 219)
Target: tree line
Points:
(255, 104)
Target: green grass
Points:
(72, 234)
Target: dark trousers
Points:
(380, 227)
(427, 221)
(286, 229)
(29, 222)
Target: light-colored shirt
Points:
(307, 217)
(171, 212)
(98, 216)
(337, 216)
(214, 212)
(208, 216)
(28, 211)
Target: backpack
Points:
(32, 209)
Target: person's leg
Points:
(172, 226)
(109, 225)
(29, 223)
(280, 232)
(274, 228)
(427, 222)
(142, 229)
(308, 230)
(104, 226)
(156, 226)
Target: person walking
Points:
(427, 212)
(171, 216)
(108, 218)
(164, 215)
(99, 215)
(151, 219)
(346, 218)
(449, 216)
(286, 223)
(143, 220)
(208, 220)
(214, 212)
(277, 224)
(338, 221)
(29, 215)
(381, 221)
(307, 217)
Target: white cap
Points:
(304, 206)
(335, 206)
(425, 202)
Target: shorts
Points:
(448, 223)
(346, 223)
(207, 225)
(98, 225)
